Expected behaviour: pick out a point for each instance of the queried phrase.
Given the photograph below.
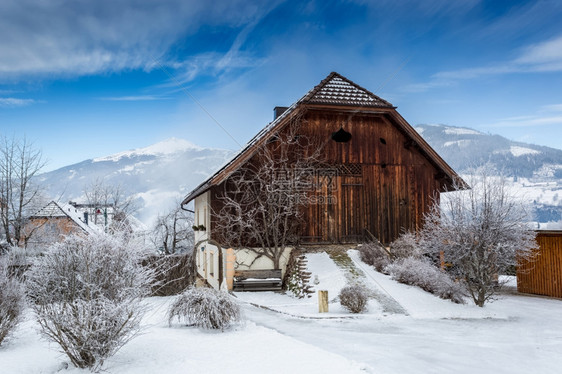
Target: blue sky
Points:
(89, 78)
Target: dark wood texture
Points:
(380, 180)
(544, 275)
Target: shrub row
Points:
(421, 273)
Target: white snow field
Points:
(516, 334)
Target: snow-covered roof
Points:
(338, 90)
(56, 210)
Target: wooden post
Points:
(230, 261)
(322, 301)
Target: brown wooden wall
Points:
(382, 182)
(544, 275)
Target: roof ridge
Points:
(331, 91)
(44, 211)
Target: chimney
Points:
(279, 110)
(86, 218)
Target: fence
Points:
(543, 276)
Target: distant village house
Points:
(56, 220)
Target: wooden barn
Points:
(382, 174)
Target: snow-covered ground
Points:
(516, 334)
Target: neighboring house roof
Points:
(56, 210)
(334, 90)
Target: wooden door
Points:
(352, 209)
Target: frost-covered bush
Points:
(354, 298)
(423, 274)
(372, 254)
(205, 308)
(482, 231)
(12, 301)
(86, 293)
(405, 246)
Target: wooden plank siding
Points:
(544, 275)
(390, 195)
(378, 181)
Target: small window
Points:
(341, 136)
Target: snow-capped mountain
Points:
(464, 148)
(162, 173)
(157, 175)
(536, 170)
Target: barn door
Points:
(337, 213)
(351, 207)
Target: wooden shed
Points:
(383, 175)
(543, 275)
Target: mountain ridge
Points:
(464, 148)
(161, 174)
(157, 175)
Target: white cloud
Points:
(471, 73)
(528, 121)
(545, 53)
(134, 98)
(552, 108)
(11, 102)
(86, 37)
(541, 57)
(215, 63)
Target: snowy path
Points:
(425, 334)
(529, 341)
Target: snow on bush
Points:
(205, 308)
(86, 293)
(482, 231)
(372, 254)
(354, 298)
(423, 274)
(12, 301)
(405, 246)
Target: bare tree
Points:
(262, 202)
(108, 204)
(481, 232)
(173, 231)
(19, 164)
